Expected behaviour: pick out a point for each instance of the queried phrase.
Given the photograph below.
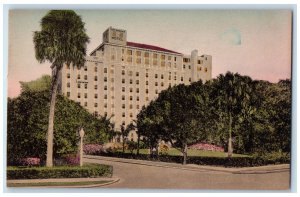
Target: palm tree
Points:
(124, 133)
(62, 40)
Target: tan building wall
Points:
(120, 77)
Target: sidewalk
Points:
(194, 167)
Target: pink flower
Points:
(31, 161)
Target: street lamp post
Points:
(81, 134)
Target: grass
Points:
(192, 152)
(83, 183)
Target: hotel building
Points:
(119, 77)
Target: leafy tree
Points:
(62, 40)
(27, 124)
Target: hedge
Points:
(212, 161)
(86, 171)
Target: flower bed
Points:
(206, 146)
(30, 161)
(92, 149)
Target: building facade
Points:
(119, 77)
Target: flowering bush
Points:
(163, 148)
(205, 146)
(73, 160)
(92, 149)
(31, 161)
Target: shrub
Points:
(30, 161)
(72, 160)
(91, 171)
(213, 161)
(131, 146)
(92, 149)
(163, 148)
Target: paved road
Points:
(147, 176)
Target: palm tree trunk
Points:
(138, 145)
(230, 148)
(50, 136)
(184, 154)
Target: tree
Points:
(231, 95)
(124, 133)
(62, 40)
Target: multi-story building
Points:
(119, 77)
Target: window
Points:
(123, 80)
(199, 68)
(68, 75)
(130, 89)
(95, 69)
(96, 87)
(85, 104)
(130, 106)
(169, 58)
(147, 82)
(162, 84)
(189, 66)
(181, 79)
(105, 70)
(123, 97)
(146, 54)
(169, 77)
(200, 61)
(138, 53)
(147, 75)
(147, 98)
(186, 59)
(137, 74)
(78, 76)
(85, 95)
(105, 105)
(130, 115)
(68, 84)
(137, 81)
(175, 78)
(129, 52)
(96, 113)
(138, 60)
(123, 106)
(163, 57)
(156, 83)
(138, 106)
(123, 72)
(156, 76)
(154, 55)
(156, 91)
(96, 78)
(130, 81)
(78, 95)
(190, 79)
(205, 69)
(85, 86)
(105, 79)
(78, 85)
(147, 91)
(123, 114)
(68, 94)
(162, 76)
(175, 59)
(123, 89)
(105, 87)
(137, 90)
(85, 77)
(129, 59)
(105, 96)
(130, 73)
(105, 113)
(130, 98)
(137, 98)
(183, 66)
(95, 104)
(96, 96)
(85, 68)
(162, 64)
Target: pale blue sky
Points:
(255, 43)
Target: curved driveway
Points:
(135, 174)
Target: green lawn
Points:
(83, 183)
(193, 152)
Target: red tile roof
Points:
(150, 47)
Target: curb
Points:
(248, 170)
(115, 180)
